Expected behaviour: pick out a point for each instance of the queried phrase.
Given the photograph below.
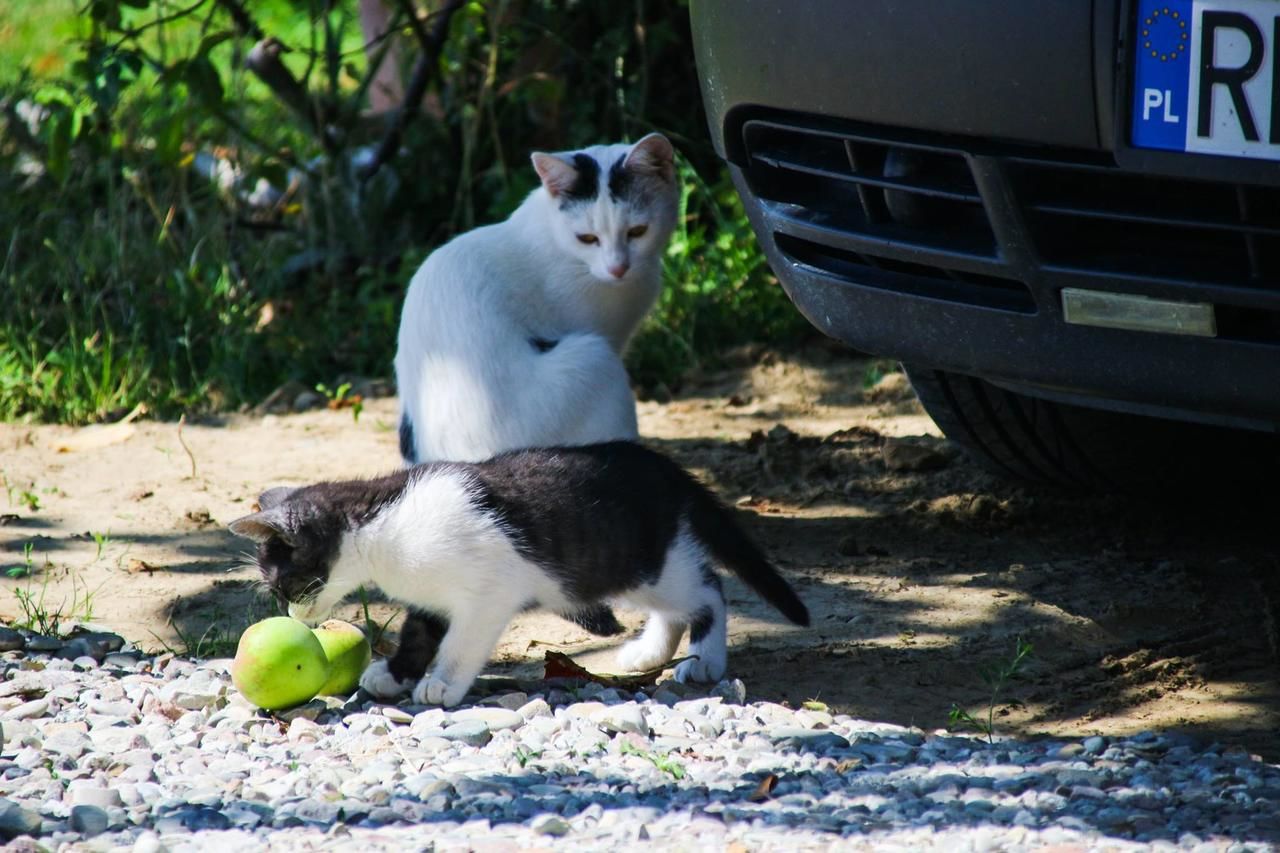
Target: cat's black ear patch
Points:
(652, 155)
(261, 526)
(576, 178)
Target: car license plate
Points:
(1207, 77)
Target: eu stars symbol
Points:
(1165, 35)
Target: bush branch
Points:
(423, 71)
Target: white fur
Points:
(678, 593)
(468, 377)
(433, 550)
(378, 680)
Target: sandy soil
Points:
(1142, 614)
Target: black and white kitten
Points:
(467, 546)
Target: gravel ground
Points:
(113, 750)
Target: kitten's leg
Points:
(655, 646)
(464, 651)
(419, 639)
(599, 619)
(707, 633)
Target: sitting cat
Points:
(511, 334)
(467, 546)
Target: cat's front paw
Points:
(433, 691)
(641, 655)
(378, 681)
(700, 669)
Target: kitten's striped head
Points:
(303, 544)
(615, 205)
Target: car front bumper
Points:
(925, 186)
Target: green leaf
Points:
(203, 80)
(169, 138)
(212, 40)
(106, 12)
(59, 160)
(77, 121)
(130, 60)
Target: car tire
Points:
(1041, 441)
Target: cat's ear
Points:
(652, 155)
(274, 497)
(557, 173)
(262, 526)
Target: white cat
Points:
(511, 334)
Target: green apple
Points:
(348, 652)
(279, 663)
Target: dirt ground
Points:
(1143, 614)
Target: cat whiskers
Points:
(311, 592)
(247, 560)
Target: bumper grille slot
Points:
(904, 277)
(1101, 220)
(913, 195)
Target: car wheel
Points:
(1041, 441)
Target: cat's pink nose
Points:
(618, 270)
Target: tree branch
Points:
(243, 20)
(264, 61)
(423, 71)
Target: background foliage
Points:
(175, 233)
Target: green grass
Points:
(216, 633)
(661, 761)
(40, 613)
(996, 676)
(38, 36)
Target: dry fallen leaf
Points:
(136, 565)
(560, 665)
(98, 436)
(764, 790)
(848, 764)
(346, 402)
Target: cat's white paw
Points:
(308, 614)
(433, 691)
(641, 655)
(704, 669)
(378, 681)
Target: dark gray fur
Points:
(701, 623)
(543, 344)
(586, 186)
(408, 451)
(420, 638)
(620, 179)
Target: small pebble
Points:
(549, 824)
(89, 820)
(162, 753)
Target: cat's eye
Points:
(637, 231)
(588, 239)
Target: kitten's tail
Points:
(715, 526)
